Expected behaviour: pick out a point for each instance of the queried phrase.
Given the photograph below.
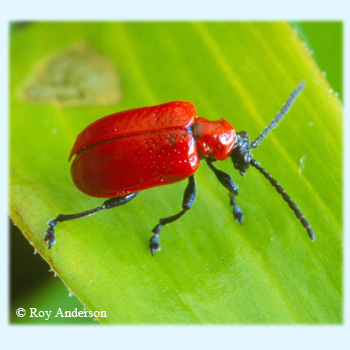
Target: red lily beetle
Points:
(126, 152)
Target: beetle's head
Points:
(241, 153)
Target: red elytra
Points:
(126, 152)
(141, 148)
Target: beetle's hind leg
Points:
(188, 200)
(228, 182)
(108, 204)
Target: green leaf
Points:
(210, 269)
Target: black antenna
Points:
(285, 196)
(280, 114)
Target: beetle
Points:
(124, 153)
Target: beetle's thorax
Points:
(241, 153)
(214, 139)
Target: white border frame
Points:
(176, 337)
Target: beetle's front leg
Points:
(228, 182)
(188, 200)
(237, 211)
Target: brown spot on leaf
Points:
(77, 76)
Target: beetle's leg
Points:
(108, 204)
(228, 182)
(188, 200)
(237, 211)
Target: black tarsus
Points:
(108, 204)
(188, 200)
(286, 198)
(237, 211)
